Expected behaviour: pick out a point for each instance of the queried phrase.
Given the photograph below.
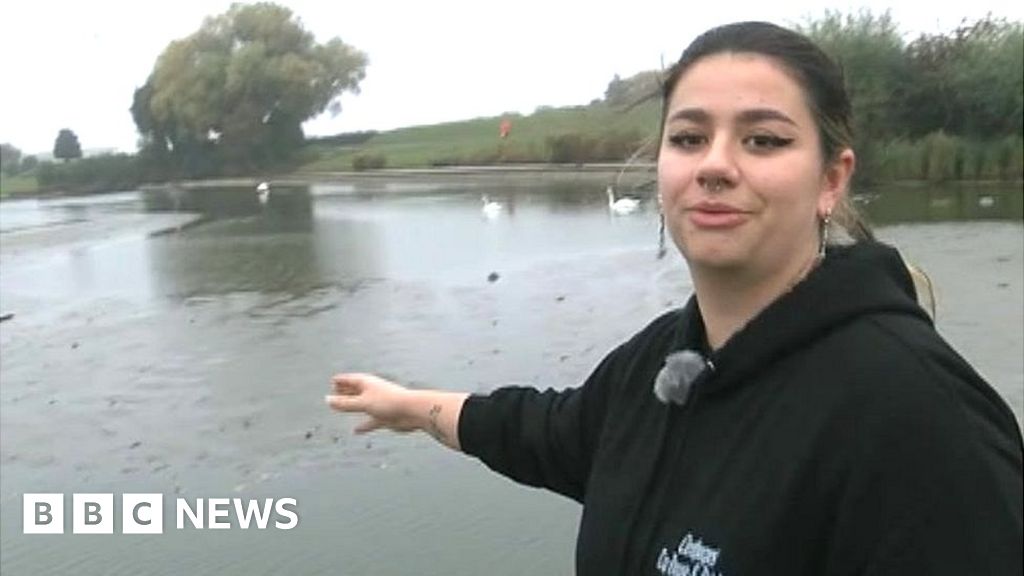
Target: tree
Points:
(66, 147)
(237, 91)
(869, 49)
(10, 158)
(969, 82)
(633, 90)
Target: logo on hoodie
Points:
(691, 558)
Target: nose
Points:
(717, 169)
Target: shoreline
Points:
(617, 174)
(631, 174)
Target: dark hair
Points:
(820, 78)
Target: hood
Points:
(852, 281)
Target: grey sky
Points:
(76, 64)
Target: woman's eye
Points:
(764, 142)
(687, 140)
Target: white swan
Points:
(263, 190)
(491, 209)
(624, 205)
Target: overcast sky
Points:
(76, 64)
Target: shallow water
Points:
(181, 343)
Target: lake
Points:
(180, 342)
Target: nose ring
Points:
(714, 185)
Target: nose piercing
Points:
(715, 185)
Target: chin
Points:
(713, 257)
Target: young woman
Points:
(800, 415)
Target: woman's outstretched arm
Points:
(397, 408)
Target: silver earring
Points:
(824, 223)
(661, 234)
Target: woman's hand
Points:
(397, 408)
(387, 404)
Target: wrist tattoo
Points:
(435, 427)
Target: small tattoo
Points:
(435, 428)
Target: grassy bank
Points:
(560, 137)
(19, 185)
(599, 133)
(573, 134)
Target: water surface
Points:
(181, 342)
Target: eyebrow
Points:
(750, 116)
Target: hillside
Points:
(597, 132)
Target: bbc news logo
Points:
(144, 513)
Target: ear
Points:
(836, 181)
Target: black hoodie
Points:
(836, 433)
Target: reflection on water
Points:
(304, 238)
(951, 202)
(178, 341)
(300, 238)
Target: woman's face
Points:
(740, 171)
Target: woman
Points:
(800, 415)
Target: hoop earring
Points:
(823, 225)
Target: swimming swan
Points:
(624, 205)
(491, 209)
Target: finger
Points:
(349, 383)
(345, 403)
(368, 426)
(347, 389)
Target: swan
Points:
(491, 209)
(624, 205)
(263, 190)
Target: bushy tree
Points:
(10, 158)
(968, 82)
(66, 146)
(633, 90)
(236, 92)
(869, 49)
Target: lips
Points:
(716, 215)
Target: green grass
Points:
(476, 141)
(18, 185)
(935, 157)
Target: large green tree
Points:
(235, 93)
(66, 146)
(869, 48)
(968, 82)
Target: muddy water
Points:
(180, 343)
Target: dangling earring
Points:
(661, 234)
(823, 225)
(661, 227)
